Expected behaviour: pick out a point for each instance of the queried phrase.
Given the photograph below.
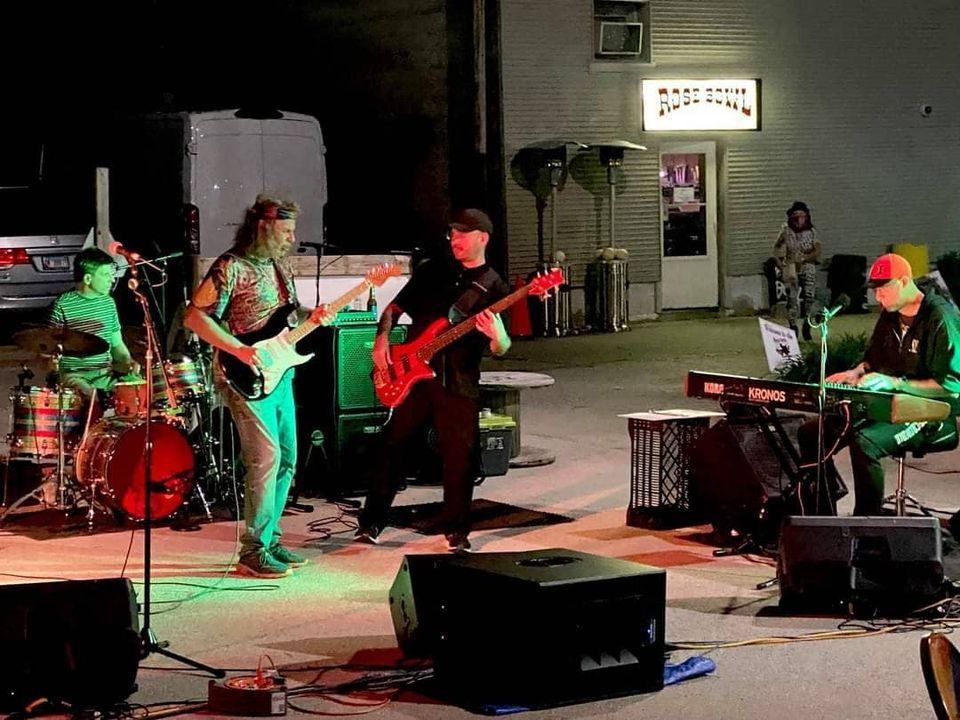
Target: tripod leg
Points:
(150, 645)
(35, 494)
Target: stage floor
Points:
(334, 611)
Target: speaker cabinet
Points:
(867, 565)
(75, 641)
(537, 628)
(335, 396)
(738, 480)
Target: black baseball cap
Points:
(472, 219)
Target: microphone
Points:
(115, 248)
(316, 245)
(825, 314)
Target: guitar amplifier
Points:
(335, 395)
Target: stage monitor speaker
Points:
(75, 641)
(535, 628)
(865, 565)
(738, 481)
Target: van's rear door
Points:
(235, 159)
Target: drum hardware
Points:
(25, 374)
(41, 338)
(148, 639)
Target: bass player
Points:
(241, 293)
(453, 290)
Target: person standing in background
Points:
(797, 252)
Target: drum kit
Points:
(94, 449)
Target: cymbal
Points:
(134, 337)
(45, 341)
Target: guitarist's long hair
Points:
(265, 208)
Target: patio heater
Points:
(541, 168)
(608, 306)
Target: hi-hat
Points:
(51, 340)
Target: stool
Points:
(900, 495)
(949, 442)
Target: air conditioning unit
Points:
(621, 38)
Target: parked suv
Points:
(47, 206)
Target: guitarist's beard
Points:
(270, 246)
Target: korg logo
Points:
(766, 395)
(713, 388)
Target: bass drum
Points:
(112, 457)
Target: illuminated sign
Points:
(701, 104)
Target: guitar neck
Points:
(308, 326)
(460, 329)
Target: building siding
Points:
(842, 85)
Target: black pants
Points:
(871, 441)
(455, 420)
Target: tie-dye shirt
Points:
(244, 292)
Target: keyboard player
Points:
(913, 350)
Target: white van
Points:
(181, 181)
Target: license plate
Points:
(55, 262)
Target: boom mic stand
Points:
(148, 639)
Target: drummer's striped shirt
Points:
(94, 315)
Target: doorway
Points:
(689, 269)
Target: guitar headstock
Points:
(379, 274)
(541, 285)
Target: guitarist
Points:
(241, 292)
(454, 290)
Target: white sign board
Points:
(779, 343)
(701, 104)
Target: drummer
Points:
(89, 308)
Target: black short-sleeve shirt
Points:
(434, 287)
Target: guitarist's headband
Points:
(267, 209)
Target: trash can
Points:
(776, 292)
(607, 301)
(556, 316)
(917, 255)
(847, 275)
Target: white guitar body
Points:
(277, 355)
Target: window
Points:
(621, 30)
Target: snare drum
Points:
(35, 432)
(184, 377)
(130, 398)
(112, 456)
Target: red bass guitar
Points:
(410, 362)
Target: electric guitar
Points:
(410, 362)
(276, 342)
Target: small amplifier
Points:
(248, 695)
(355, 317)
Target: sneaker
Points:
(367, 534)
(458, 543)
(288, 557)
(262, 564)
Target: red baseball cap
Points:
(887, 267)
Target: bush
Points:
(949, 267)
(842, 354)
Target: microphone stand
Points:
(148, 639)
(824, 329)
